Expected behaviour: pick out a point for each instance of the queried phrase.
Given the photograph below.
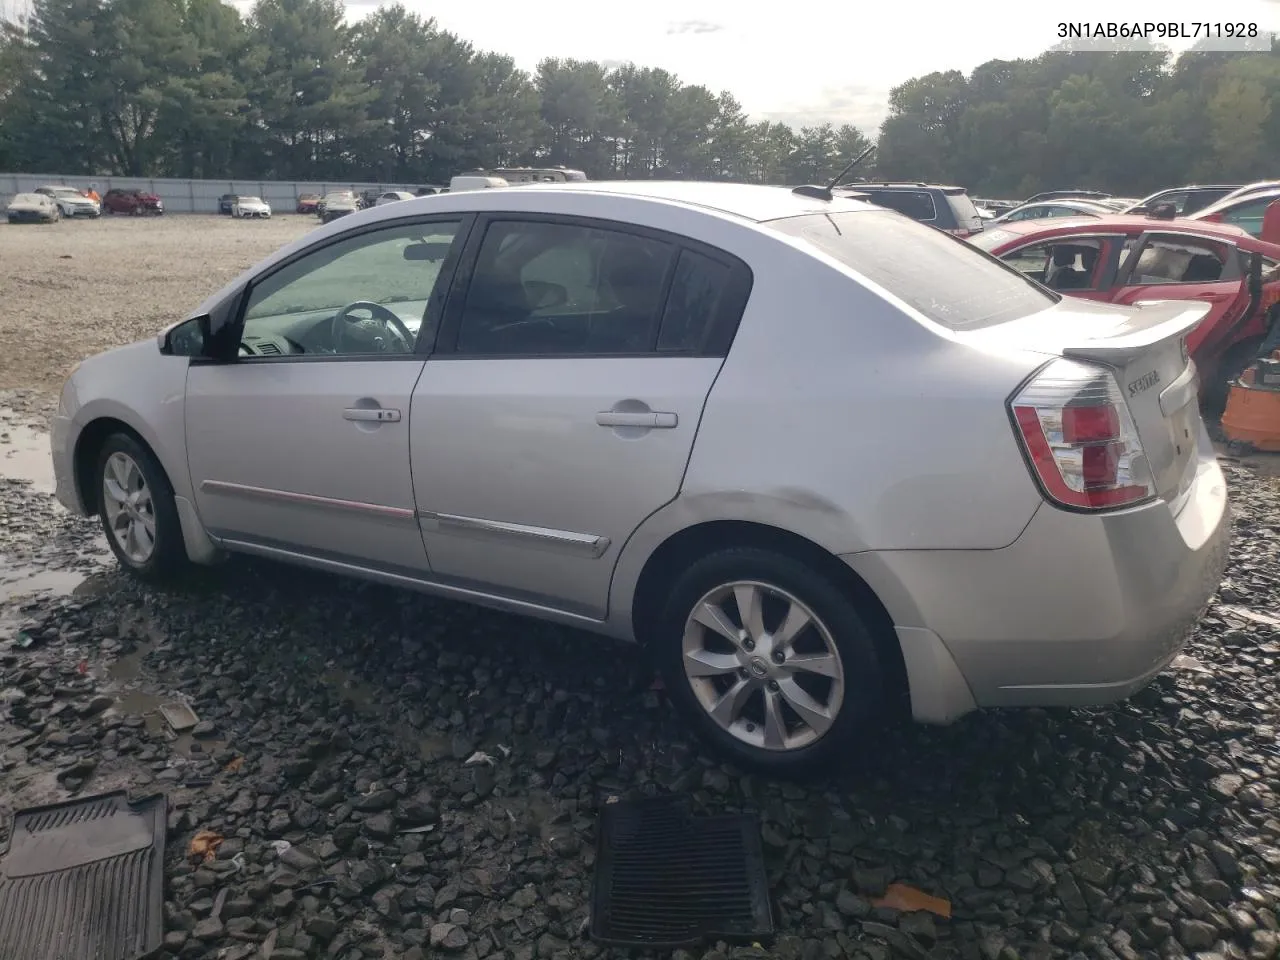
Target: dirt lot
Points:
(75, 288)
(337, 719)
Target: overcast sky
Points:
(834, 63)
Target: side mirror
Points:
(186, 339)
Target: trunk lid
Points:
(1145, 346)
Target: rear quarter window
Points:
(946, 279)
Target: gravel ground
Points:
(74, 288)
(336, 716)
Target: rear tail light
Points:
(1079, 438)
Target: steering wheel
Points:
(381, 321)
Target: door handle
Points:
(653, 419)
(371, 414)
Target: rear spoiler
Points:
(1156, 321)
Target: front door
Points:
(1172, 266)
(302, 442)
(1078, 265)
(561, 409)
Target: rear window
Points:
(915, 204)
(962, 206)
(948, 280)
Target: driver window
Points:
(366, 294)
(556, 289)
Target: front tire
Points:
(136, 506)
(769, 660)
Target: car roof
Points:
(1027, 229)
(746, 201)
(1263, 193)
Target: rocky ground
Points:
(337, 719)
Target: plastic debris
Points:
(426, 828)
(179, 716)
(234, 766)
(478, 758)
(899, 896)
(281, 847)
(1185, 662)
(204, 845)
(504, 750)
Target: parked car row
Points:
(917, 527)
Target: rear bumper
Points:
(1080, 610)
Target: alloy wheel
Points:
(130, 512)
(763, 665)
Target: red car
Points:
(1126, 259)
(131, 201)
(307, 202)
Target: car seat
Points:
(1063, 275)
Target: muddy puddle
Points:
(24, 455)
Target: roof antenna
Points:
(824, 193)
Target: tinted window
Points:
(946, 279)
(696, 291)
(913, 203)
(556, 289)
(963, 208)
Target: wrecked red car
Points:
(132, 202)
(1127, 259)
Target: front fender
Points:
(144, 390)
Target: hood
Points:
(343, 204)
(24, 205)
(254, 203)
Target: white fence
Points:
(192, 196)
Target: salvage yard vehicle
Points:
(71, 202)
(33, 208)
(689, 414)
(1130, 259)
(307, 203)
(251, 207)
(335, 205)
(947, 208)
(132, 202)
(1245, 211)
(1186, 200)
(392, 196)
(1050, 209)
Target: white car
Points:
(824, 460)
(250, 207)
(393, 196)
(33, 208)
(71, 202)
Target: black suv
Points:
(947, 208)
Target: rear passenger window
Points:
(696, 292)
(914, 204)
(1177, 260)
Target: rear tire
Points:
(782, 706)
(137, 509)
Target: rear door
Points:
(560, 410)
(1176, 266)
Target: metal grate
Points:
(667, 879)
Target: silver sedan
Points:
(823, 460)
